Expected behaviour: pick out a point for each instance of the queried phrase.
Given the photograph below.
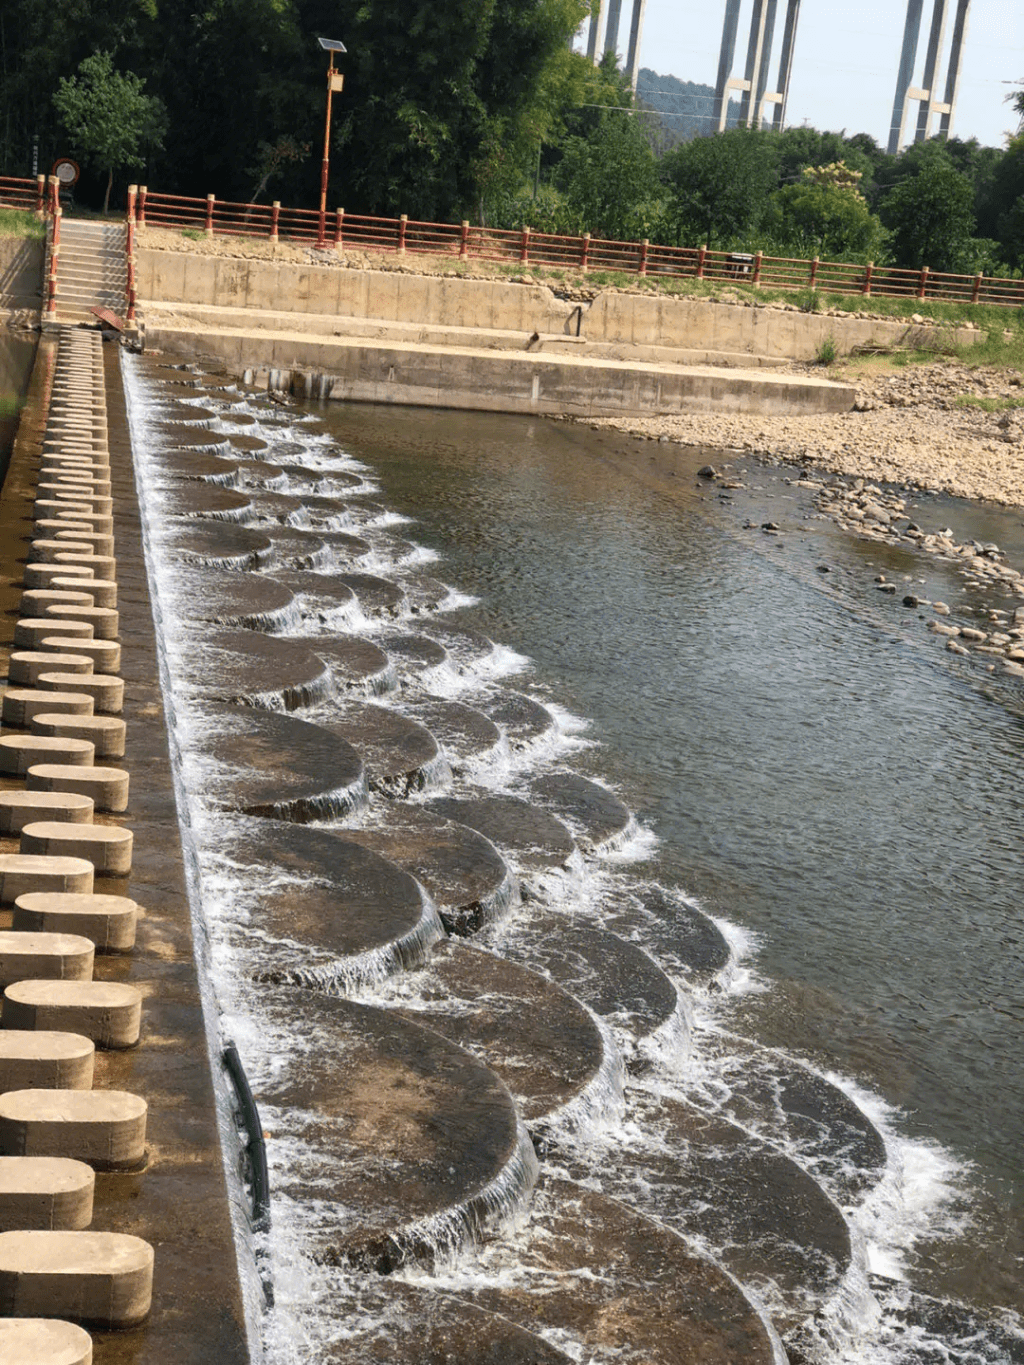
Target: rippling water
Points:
(817, 769)
(805, 763)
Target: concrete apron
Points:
(421, 375)
(178, 1201)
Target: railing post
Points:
(54, 194)
(976, 291)
(643, 256)
(130, 260)
(524, 247)
(339, 229)
(51, 283)
(869, 270)
(275, 217)
(758, 257)
(464, 240)
(209, 214)
(701, 255)
(812, 283)
(402, 224)
(133, 191)
(40, 194)
(141, 211)
(922, 284)
(585, 252)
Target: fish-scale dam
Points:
(501, 1119)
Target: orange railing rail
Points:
(28, 192)
(221, 217)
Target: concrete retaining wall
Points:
(440, 376)
(393, 296)
(21, 272)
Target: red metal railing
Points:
(525, 247)
(23, 193)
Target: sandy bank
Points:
(911, 430)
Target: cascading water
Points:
(672, 1091)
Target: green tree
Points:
(931, 218)
(826, 215)
(609, 180)
(107, 116)
(719, 186)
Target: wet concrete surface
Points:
(179, 1202)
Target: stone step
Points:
(21, 704)
(108, 920)
(108, 1012)
(105, 689)
(34, 601)
(96, 541)
(411, 1132)
(25, 665)
(106, 733)
(105, 654)
(43, 1059)
(20, 808)
(105, 621)
(107, 847)
(44, 1341)
(468, 880)
(31, 629)
(18, 753)
(399, 754)
(108, 788)
(388, 924)
(58, 957)
(280, 766)
(101, 1279)
(106, 1129)
(64, 514)
(48, 550)
(536, 839)
(21, 873)
(45, 1192)
(103, 566)
(103, 591)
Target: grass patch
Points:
(194, 234)
(827, 351)
(20, 223)
(10, 406)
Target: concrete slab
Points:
(103, 591)
(105, 733)
(105, 689)
(105, 654)
(107, 847)
(22, 704)
(109, 921)
(18, 753)
(43, 1059)
(58, 957)
(102, 1279)
(25, 665)
(108, 1012)
(20, 808)
(21, 873)
(45, 1192)
(44, 1341)
(104, 620)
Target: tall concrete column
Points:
(908, 56)
(933, 55)
(955, 63)
(611, 36)
(786, 64)
(755, 45)
(636, 29)
(762, 71)
(726, 57)
(595, 37)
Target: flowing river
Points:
(806, 767)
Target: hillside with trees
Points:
(475, 109)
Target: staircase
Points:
(91, 269)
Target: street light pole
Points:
(335, 81)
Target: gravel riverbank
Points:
(909, 428)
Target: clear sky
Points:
(844, 68)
